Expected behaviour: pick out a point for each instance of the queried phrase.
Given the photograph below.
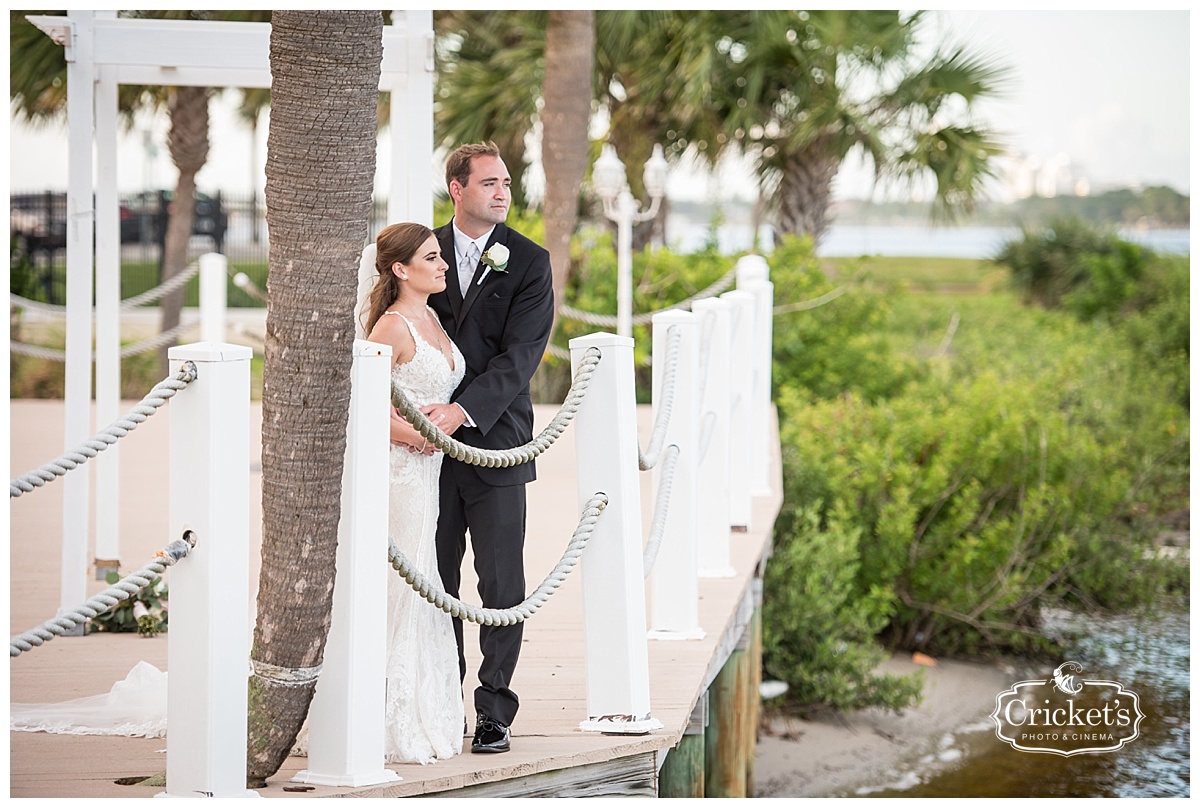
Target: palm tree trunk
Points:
(804, 191)
(567, 96)
(188, 144)
(320, 175)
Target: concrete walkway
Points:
(549, 678)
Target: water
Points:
(855, 240)
(1151, 657)
(964, 242)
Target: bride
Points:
(424, 714)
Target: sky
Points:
(1110, 90)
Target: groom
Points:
(498, 307)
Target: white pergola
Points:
(103, 52)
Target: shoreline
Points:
(835, 755)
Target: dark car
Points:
(148, 213)
(38, 222)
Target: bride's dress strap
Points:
(412, 329)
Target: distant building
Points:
(1028, 176)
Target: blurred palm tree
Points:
(799, 91)
(490, 66)
(796, 92)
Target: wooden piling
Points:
(724, 767)
(682, 773)
(754, 700)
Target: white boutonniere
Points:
(495, 257)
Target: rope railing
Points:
(118, 429)
(715, 288)
(648, 459)
(831, 295)
(433, 593)
(242, 281)
(662, 501)
(167, 337)
(504, 458)
(149, 296)
(129, 585)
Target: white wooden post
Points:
(753, 276)
(712, 471)
(614, 596)
(411, 81)
(77, 393)
(213, 292)
(208, 652)
(741, 351)
(674, 588)
(108, 319)
(345, 720)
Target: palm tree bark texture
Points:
(567, 109)
(320, 171)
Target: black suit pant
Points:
(495, 516)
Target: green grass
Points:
(940, 274)
(137, 278)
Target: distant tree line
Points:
(1154, 206)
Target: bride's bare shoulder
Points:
(393, 330)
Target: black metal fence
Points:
(231, 224)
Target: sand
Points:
(844, 755)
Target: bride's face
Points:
(426, 270)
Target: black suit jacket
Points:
(501, 326)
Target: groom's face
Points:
(484, 200)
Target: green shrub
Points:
(818, 631)
(1017, 465)
(1045, 260)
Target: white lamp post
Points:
(608, 178)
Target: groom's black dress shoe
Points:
(490, 735)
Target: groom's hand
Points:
(446, 417)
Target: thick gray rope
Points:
(148, 296)
(666, 399)
(118, 429)
(526, 608)
(662, 501)
(167, 337)
(720, 285)
(129, 585)
(504, 458)
(242, 281)
(558, 352)
(833, 294)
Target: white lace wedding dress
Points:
(424, 707)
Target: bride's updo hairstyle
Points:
(395, 244)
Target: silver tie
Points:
(467, 270)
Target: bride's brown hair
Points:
(396, 243)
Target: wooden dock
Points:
(551, 756)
